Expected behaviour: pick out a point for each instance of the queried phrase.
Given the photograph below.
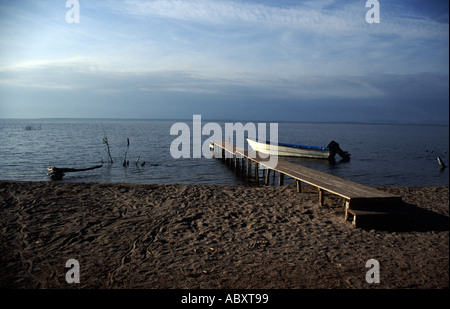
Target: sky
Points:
(266, 60)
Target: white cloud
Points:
(94, 75)
(232, 13)
(312, 37)
(317, 16)
(73, 62)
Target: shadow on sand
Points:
(412, 219)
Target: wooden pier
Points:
(363, 204)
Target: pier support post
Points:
(256, 171)
(321, 193)
(266, 182)
(347, 207)
(299, 185)
(281, 179)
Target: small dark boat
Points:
(57, 173)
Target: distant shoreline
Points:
(235, 120)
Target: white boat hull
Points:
(290, 151)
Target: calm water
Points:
(382, 155)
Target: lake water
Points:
(381, 155)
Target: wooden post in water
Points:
(249, 163)
(441, 163)
(256, 171)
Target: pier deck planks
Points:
(357, 196)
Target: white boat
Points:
(301, 151)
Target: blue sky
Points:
(265, 60)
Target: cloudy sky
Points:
(271, 60)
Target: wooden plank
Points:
(357, 193)
(339, 186)
(348, 188)
(368, 218)
(314, 177)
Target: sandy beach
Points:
(213, 237)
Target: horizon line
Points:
(425, 123)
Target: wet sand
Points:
(213, 237)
